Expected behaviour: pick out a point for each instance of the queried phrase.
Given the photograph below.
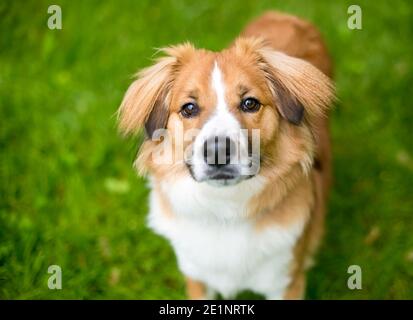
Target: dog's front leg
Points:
(196, 290)
(296, 289)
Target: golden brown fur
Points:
(295, 150)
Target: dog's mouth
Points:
(221, 174)
(225, 176)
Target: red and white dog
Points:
(240, 215)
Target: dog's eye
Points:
(189, 110)
(250, 105)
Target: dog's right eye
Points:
(250, 105)
(189, 110)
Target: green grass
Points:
(69, 195)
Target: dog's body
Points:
(233, 230)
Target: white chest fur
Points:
(217, 244)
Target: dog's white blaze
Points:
(222, 121)
(219, 88)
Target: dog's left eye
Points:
(250, 105)
(189, 110)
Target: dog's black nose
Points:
(218, 151)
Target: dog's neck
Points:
(250, 199)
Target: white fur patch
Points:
(219, 88)
(216, 243)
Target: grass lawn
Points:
(69, 195)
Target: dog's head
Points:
(224, 117)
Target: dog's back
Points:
(293, 36)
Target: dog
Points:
(240, 215)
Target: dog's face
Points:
(222, 112)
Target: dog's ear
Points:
(298, 87)
(146, 102)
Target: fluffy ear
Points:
(143, 103)
(146, 101)
(298, 87)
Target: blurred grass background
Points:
(69, 195)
